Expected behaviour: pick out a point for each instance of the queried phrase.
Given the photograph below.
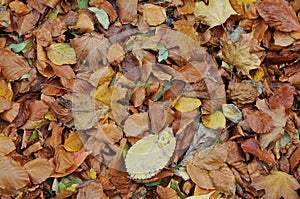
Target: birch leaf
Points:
(149, 155)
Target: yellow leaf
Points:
(186, 104)
(215, 13)
(214, 121)
(73, 142)
(60, 53)
(154, 15)
(277, 184)
(245, 1)
(259, 74)
(92, 174)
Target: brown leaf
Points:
(153, 14)
(38, 170)
(56, 137)
(295, 158)
(242, 93)
(277, 185)
(199, 176)
(166, 193)
(43, 37)
(12, 175)
(13, 66)
(56, 26)
(223, 180)
(109, 9)
(37, 5)
(7, 145)
(187, 28)
(278, 14)
(12, 113)
(37, 110)
(84, 23)
(19, 8)
(26, 23)
(260, 122)
(4, 104)
(282, 97)
(136, 124)
(91, 191)
(91, 50)
(194, 71)
(63, 71)
(252, 146)
(131, 67)
(127, 10)
(50, 3)
(110, 133)
(115, 54)
(158, 116)
(63, 160)
(119, 111)
(138, 96)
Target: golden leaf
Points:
(214, 121)
(73, 142)
(154, 15)
(185, 104)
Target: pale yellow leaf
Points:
(215, 13)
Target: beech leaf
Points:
(214, 121)
(149, 155)
(60, 53)
(185, 104)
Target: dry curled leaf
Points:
(242, 93)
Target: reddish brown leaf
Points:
(199, 176)
(109, 9)
(158, 116)
(252, 146)
(131, 67)
(260, 122)
(63, 71)
(278, 14)
(282, 97)
(37, 110)
(295, 158)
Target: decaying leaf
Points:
(242, 93)
(282, 97)
(61, 53)
(277, 184)
(149, 155)
(215, 13)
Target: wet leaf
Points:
(101, 16)
(214, 121)
(215, 13)
(185, 104)
(38, 170)
(149, 155)
(277, 184)
(61, 53)
(12, 175)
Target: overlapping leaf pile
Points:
(149, 99)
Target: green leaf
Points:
(163, 53)
(25, 76)
(83, 4)
(69, 183)
(20, 47)
(175, 186)
(53, 14)
(101, 16)
(155, 183)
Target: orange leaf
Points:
(73, 142)
(187, 7)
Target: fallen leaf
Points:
(73, 142)
(19, 8)
(242, 93)
(260, 122)
(214, 121)
(187, 7)
(110, 133)
(101, 16)
(84, 24)
(7, 145)
(136, 124)
(13, 66)
(252, 146)
(185, 104)
(127, 10)
(282, 97)
(279, 14)
(90, 191)
(276, 185)
(115, 54)
(153, 14)
(149, 155)
(238, 55)
(158, 116)
(232, 112)
(282, 39)
(187, 28)
(166, 193)
(63, 160)
(38, 170)
(199, 176)
(12, 175)
(27, 22)
(215, 13)
(61, 53)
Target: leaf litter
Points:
(156, 99)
